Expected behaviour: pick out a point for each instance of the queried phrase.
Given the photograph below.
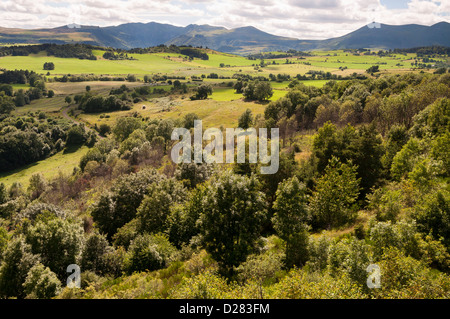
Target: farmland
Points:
(361, 174)
(222, 107)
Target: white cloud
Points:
(305, 19)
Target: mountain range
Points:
(244, 40)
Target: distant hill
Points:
(243, 40)
(392, 37)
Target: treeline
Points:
(85, 78)
(425, 51)
(18, 76)
(189, 51)
(80, 51)
(21, 97)
(111, 55)
(30, 138)
(277, 55)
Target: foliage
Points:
(233, 210)
(149, 252)
(336, 193)
(58, 242)
(118, 207)
(41, 283)
(18, 260)
(153, 213)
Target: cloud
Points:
(304, 19)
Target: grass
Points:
(63, 162)
(213, 113)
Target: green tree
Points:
(68, 100)
(118, 207)
(4, 196)
(92, 155)
(41, 283)
(290, 219)
(76, 136)
(335, 194)
(263, 91)
(18, 260)
(245, 120)
(202, 92)
(37, 185)
(233, 212)
(6, 105)
(125, 126)
(189, 120)
(149, 252)
(154, 211)
(58, 242)
(92, 257)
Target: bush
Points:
(58, 242)
(149, 252)
(118, 207)
(18, 260)
(41, 283)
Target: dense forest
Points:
(372, 190)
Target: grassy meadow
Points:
(222, 108)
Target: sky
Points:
(302, 19)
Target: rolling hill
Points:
(242, 40)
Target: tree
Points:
(373, 69)
(154, 211)
(290, 218)
(202, 92)
(335, 194)
(76, 136)
(18, 260)
(19, 99)
(149, 252)
(189, 120)
(50, 93)
(41, 283)
(118, 207)
(104, 129)
(37, 185)
(233, 212)
(92, 155)
(260, 91)
(362, 146)
(245, 121)
(49, 66)
(6, 105)
(192, 174)
(263, 91)
(58, 242)
(125, 126)
(4, 196)
(94, 250)
(68, 99)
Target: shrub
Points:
(41, 283)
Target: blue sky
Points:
(305, 19)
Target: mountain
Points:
(391, 37)
(243, 40)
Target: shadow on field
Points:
(71, 149)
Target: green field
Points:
(170, 63)
(63, 162)
(222, 108)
